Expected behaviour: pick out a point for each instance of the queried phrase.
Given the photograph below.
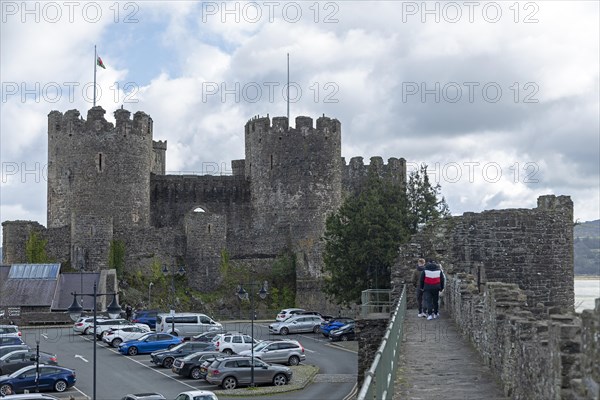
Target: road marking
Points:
(78, 356)
(81, 392)
(44, 336)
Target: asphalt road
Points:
(118, 375)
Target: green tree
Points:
(35, 249)
(362, 238)
(116, 256)
(424, 203)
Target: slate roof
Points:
(41, 285)
(37, 289)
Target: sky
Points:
(499, 99)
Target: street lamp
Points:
(243, 295)
(114, 310)
(180, 272)
(149, 287)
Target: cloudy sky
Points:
(500, 99)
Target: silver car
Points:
(288, 352)
(234, 371)
(297, 323)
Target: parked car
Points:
(233, 343)
(324, 316)
(148, 343)
(165, 358)
(288, 352)
(345, 333)
(10, 348)
(286, 313)
(52, 377)
(104, 325)
(30, 396)
(197, 395)
(144, 396)
(193, 365)
(147, 317)
(186, 324)
(235, 371)
(297, 323)
(18, 359)
(9, 331)
(116, 336)
(335, 323)
(206, 336)
(85, 325)
(10, 341)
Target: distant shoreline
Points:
(587, 277)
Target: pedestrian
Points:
(415, 281)
(128, 312)
(432, 282)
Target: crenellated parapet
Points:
(355, 173)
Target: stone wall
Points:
(537, 355)
(369, 333)
(532, 248)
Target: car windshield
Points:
(260, 346)
(142, 338)
(19, 372)
(347, 326)
(179, 346)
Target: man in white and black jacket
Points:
(432, 282)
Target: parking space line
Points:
(74, 387)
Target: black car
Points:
(18, 359)
(165, 358)
(344, 333)
(191, 366)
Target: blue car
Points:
(52, 377)
(147, 317)
(334, 324)
(148, 343)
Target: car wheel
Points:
(132, 351)
(316, 329)
(324, 334)
(344, 338)
(174, 333)
(195, 373)
(279, 380)
(4, 389)
(229, 383)
(294, 360)
(116, 342)
(284, 331)
(60, 386)
(167, 362)
(228, 352)
(86, 331)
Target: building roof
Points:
(72, 282)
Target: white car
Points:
(85, 325)
(233, 343)
(197, 395)
(115, 337)
(287, 312)
(102, 326)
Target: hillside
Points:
(587, 248)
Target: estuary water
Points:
(586, 290)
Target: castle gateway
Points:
(108, 182)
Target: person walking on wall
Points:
(432, 282)
(415, 281)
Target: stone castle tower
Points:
(107, 182)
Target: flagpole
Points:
(288, 90)
(95, 62)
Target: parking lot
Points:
(118, 375)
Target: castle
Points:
(107, 182)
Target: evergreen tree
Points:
(362, 237)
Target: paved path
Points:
(438, 363)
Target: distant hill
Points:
(587, 248)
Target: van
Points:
(186, 324)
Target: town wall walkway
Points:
(436, 362)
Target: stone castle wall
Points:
(537, 354)
(532, 248)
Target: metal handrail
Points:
(379, 379)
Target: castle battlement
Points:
(304, 125)
(71, 122)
